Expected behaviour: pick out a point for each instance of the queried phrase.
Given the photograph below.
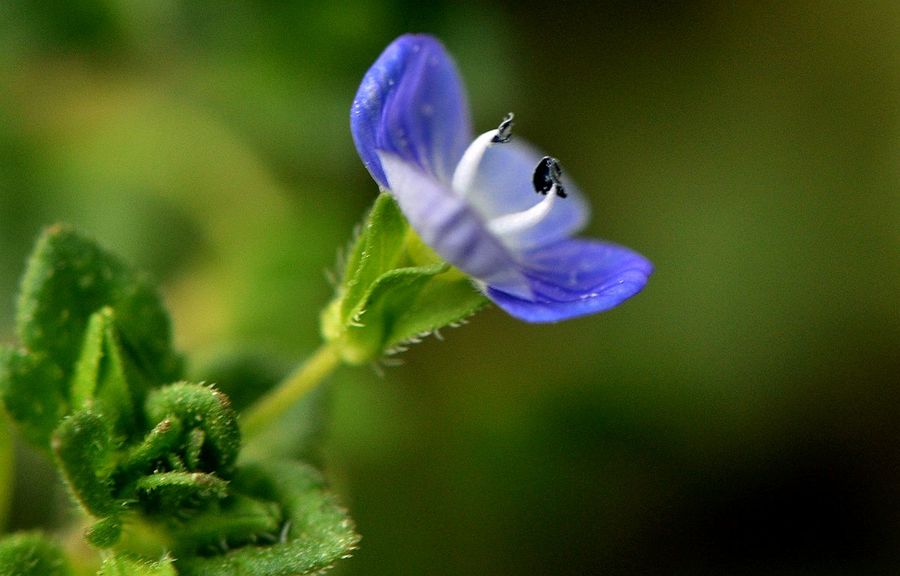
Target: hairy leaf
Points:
(143, 458)
(106, 532)
(121, 564)
(236, 521)
(31, 554)
(67, 279)
(202, 408)
(170, 492)
(316, 533)
(83, 450)
(33, 389)
(92, 333)
(100, 377)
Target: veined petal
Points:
(575, 278)
(447, 223)
(412, 104)
(502, 185)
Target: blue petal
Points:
(412, 104)
(445, 222)
(575, 278)
(449, 226)
(503, 184)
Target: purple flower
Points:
(492, 206)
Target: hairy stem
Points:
(277, 401)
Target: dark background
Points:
(740, 416)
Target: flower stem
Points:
(277, 401)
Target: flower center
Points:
(547, 181)
(547, 175)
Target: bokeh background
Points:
(740, 416)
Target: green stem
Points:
(277, 401)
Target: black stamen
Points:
(548, 174)
(504, 131)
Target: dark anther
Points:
(504, 131)
(548, 174)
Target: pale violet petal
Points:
(412, 104)
(447, 223)
(575, 278)
(502, 184)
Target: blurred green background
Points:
(740, 416)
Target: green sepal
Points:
(315, 534)
(67, 279)
(199, 407)
(31, 554)
(84, 452)
(404, 305)
(448, 299)
(394, 290)
(377, 249)
(123, 564)
(33, 389)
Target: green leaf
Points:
(122, 564)
(31, 554)
(33, 390)
(316, 533)
(67, 279)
